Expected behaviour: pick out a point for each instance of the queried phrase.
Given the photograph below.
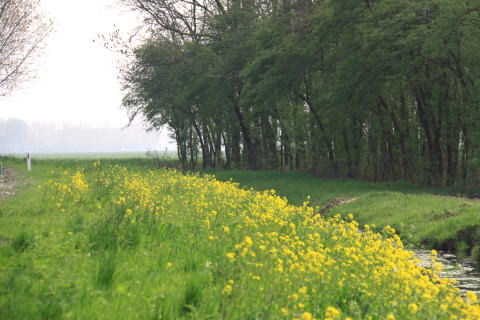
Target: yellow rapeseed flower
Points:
(331, 313)
(306, 316)
(231, 256)
(471, 296)
(413, 308)
(289, 248)
(227, 290)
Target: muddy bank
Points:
(8, 183)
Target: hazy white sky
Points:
(76, 79)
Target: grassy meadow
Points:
(115, 239)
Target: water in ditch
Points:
(466, 272)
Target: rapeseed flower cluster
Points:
(66, 191)
(280, 260)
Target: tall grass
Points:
(104, 241)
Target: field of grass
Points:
(423, 217)
(102, 241)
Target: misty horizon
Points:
(18, 136)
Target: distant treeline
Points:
(375, 89)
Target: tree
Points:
(383, 90)
(22, 31)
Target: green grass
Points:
(43, 271)
(143, 244)
(422, 216)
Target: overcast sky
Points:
(76, 78)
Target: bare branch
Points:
(22, 31)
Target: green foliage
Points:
(462, 250)
(103, 233)
(22, 241)
(476, 253)
(383, 90)
(106, 269)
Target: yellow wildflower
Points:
(231, 256)
(331, 313)
(227, 290)
(413, 308)
(306, 316)
(471, 296)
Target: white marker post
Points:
(29, 162)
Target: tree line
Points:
(374, 89)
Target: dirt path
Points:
(336, 202)
(8, 182)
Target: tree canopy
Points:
(376, 89)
